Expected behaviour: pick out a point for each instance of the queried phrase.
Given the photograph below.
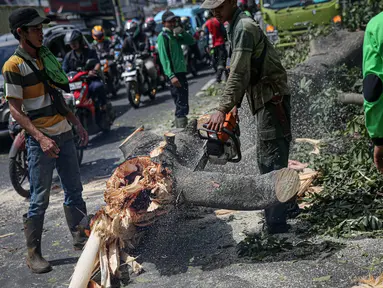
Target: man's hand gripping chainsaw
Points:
(221, 146)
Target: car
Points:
(53, 39)
(195, 14)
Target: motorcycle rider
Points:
(136, 42)
(29, 75)
(242, 4)
(150, 30)
(77, 58)
(104, 48)
(218, 32)
(186, 24)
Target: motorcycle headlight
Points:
(128, 66)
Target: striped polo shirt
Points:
(22, 83)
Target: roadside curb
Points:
(205, 87)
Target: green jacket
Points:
(372, 78)
(177, 61)
(247, 43)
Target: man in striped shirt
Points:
(50, 139)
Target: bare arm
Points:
(79, 128)
(48, 146)
(22, 119)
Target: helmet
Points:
(150, 27)
(185, 22)
(150, 24)
(207, 14)
(132, 28)
(73, 35)
(98, 33)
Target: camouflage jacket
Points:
(260, 80)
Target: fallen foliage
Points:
(263, 246)
(370, 282)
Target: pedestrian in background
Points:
(172, 59)
(218, 33)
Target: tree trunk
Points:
(239, 191)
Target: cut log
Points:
(234, 192)
(351, 98)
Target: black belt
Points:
(59, 139)
(62, 138)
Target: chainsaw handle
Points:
(236, 143)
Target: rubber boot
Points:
(77, 221)
(33, 229)
(275, 218)
(181, 122)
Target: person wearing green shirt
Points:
(372, 85)
(256, 71)
(172, 59)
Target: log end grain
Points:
(286, 185)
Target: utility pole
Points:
(117, 14)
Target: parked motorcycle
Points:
(87, 111)
(18, 162)
(136, 79)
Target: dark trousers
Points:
(221, 58)
(97, 92)
(41, 168)
(181, 96)
(273, 151)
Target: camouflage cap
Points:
(211, 4)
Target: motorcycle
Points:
(109, 67)
(136, 79)
(18, 162)
(87, 110)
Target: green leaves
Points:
(356, 15)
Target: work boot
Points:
(275, 219)
(33, 229)
(219, 75)
(77, 221)
(181, 122)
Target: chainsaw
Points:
(221, 146)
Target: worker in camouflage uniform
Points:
(373, 85)
(256, 70)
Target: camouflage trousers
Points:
(274, 137)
